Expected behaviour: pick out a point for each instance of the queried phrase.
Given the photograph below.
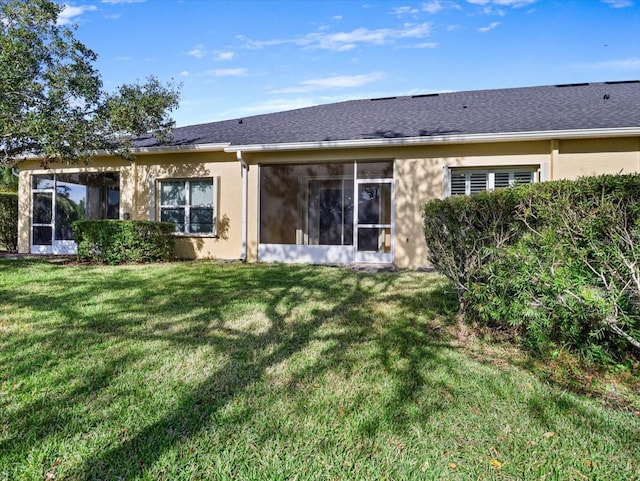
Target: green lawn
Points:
(230, 371)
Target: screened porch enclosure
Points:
(326, 213)
(58, 200)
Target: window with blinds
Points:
(466, 182)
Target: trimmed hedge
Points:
(120, 241)
(560, 268)
(9, 220)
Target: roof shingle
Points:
(529, 109)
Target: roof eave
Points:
(441, 139)
(162, 149)
(171, 149)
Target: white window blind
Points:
(472, 181)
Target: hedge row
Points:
(119, 241)
(9, 220)
(558, 263)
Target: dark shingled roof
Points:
(556, 107)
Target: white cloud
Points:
(275, 105)
(453, 28)
(488, 27)
(503, 3)
(426, 45)
(632, 63)
(184, 73)
(68, 13)
(226, 72)
(123, 1)
(335, 82)
(619, 3)
(344, 41)
(196, 51)
(400, 11)
(432, 7)
(220, 56)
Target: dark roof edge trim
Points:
(442, 139)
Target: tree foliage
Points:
(52, 101)
(9, 220)
(8, 181)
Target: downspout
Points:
(245, 174)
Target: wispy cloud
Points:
(503, 3)
(488, 27)
(221, 56)
(197, 51)
(619, 3)
(123, 1)
(226, 72)
(274, 105)
(435, 6)
(335, 82)
(69, 13)
(184, 73)
(431, 7)
(632, 63)
(405, 10)
(344, 41)
(426, 45)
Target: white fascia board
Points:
(163, 149)
(442, 139)
(171, 149)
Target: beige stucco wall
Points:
(149, 169)
(419, 177)
(578, 158)
(418, 173)
(138, 182)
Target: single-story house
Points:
(340, 183)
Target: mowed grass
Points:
(270, 372)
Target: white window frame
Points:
(490, 177)
(188, 206)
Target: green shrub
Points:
(463, 233)
(9, 220)
(567, 272)
(119, 241)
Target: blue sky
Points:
(246, 57)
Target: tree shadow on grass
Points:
(97, 307)
(181, 308)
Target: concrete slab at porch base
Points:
(374, 267)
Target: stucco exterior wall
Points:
(578, 158)
(418, 173)
(150, 169)
(419, 177)
(138, 200)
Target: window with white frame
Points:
(190, 204)
(472, 181)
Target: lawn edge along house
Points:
(340, 183)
